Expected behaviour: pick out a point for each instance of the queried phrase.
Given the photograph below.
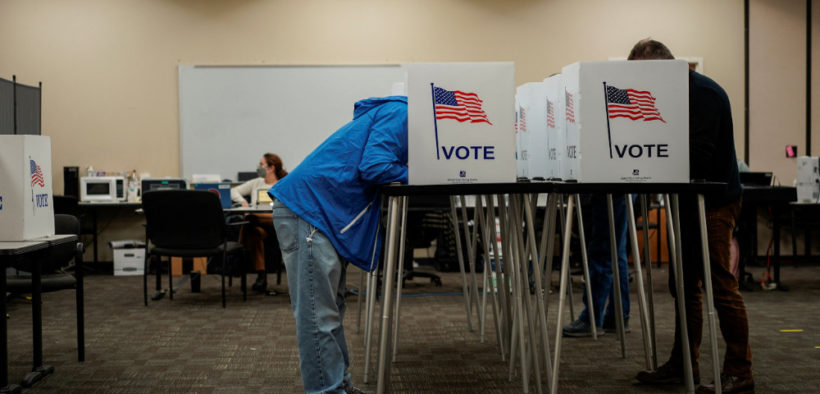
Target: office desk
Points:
(32, 252)
(517, 261)
(93, 208)
(777, 198)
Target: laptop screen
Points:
(262, 197)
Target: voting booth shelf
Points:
(627, 121)
(26, 199)
(461, 123)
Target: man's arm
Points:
(384, 159)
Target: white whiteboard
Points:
(229, 116)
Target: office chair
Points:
(190, 223)
(54, 279)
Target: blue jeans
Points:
(316, 282)
(600, 258)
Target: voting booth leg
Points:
(548, 243)
(504, 273)
(383, 373)
(563, 216)
(524, 257)
(539, 291)
(470, 239)
(562, 296)
(649, 282)
(359, 303)
(478, 226)
(636, 259)
(511, 251)
(499, 295)
(675, 249)
(460, 257)
(399, 275)
(585, 263)
(372, 279)
(486, 286)
(707, 284)
(616, 276)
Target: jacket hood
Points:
(362, 106)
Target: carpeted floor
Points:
(191, 344)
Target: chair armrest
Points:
(239, 223)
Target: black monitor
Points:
(243, 176)
(756, 178)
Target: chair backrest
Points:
(58, 256)
(184, 219)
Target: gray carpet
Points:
(191, 344)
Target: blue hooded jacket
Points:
(336, 187)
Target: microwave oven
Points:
(102, 188)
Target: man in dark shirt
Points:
(711, 158)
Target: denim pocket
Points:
(286, 223)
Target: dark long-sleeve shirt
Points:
(711, 139)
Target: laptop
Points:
(261, 199)
(223, 189)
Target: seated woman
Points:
(270, 170)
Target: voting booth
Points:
(461, 123)
(555, 129)
(26, 203)
(532, 98)
(522, 169)
(627, 121)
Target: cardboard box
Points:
(629, 121)
(461, 120)
(129, 261)
(555, 117)
(26, 200)
(532, 109)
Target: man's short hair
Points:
(649, 49)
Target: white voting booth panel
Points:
(521, 167)
(555, 127)
(26, 204)
(532, 129)
(461, 123)
(628, 121)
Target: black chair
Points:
(54, 278)
(190, 223)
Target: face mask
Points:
(260, 171)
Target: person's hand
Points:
(244, 203)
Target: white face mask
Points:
(261, 171)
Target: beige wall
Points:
(815, 77)
(109, 67)
(777, 85)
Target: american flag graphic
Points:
(458, 105)
(632, 104)
(36, 174)
(550, 115)
(570, 105)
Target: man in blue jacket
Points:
(326, 213)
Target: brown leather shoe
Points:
(666, 374)
(730, 384)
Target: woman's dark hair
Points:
(275, 161)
